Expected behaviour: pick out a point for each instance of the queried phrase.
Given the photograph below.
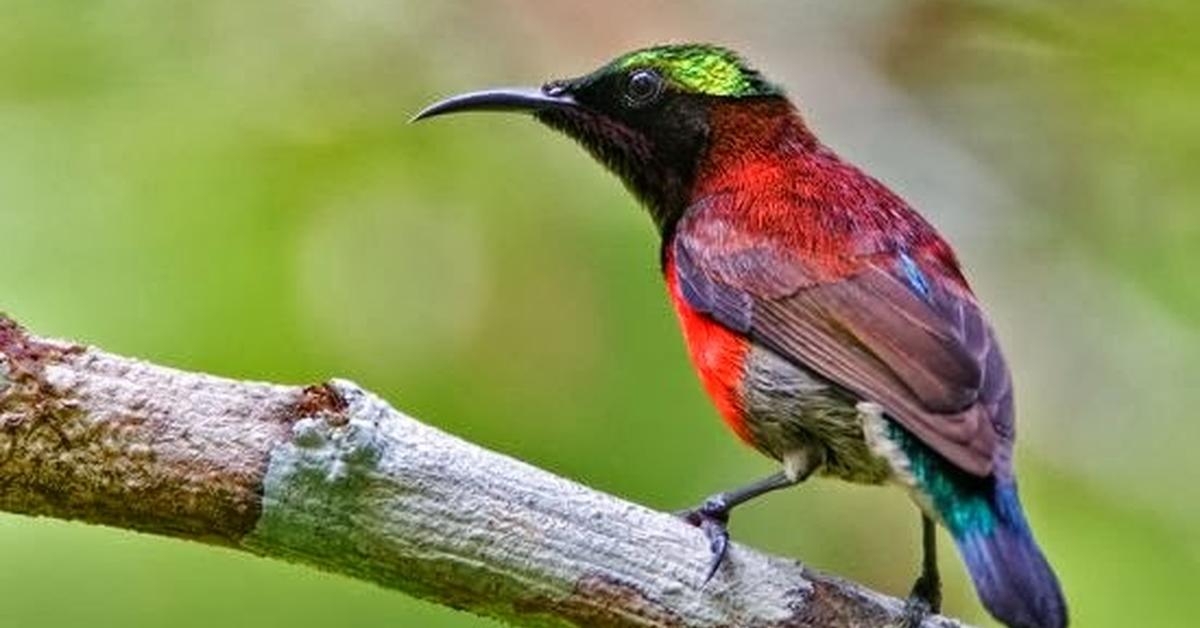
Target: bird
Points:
(830, 323)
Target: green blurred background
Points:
(232, 187)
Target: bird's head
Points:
(646, 115)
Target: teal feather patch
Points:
(960, 500)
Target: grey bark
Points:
(331, 476)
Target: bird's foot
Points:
(924, 600)
(712, 517)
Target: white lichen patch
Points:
(315, 492)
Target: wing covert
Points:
(921, 349)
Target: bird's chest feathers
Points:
(718, 354)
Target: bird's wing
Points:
(886, 329)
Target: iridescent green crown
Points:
(700, 69)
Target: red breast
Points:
(718, 354)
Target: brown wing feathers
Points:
(922, 361)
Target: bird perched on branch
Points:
(829, 322)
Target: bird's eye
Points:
(642, 88)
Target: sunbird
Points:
(830, 323)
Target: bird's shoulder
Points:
(820, 216)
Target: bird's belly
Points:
(789, 407)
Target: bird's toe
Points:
(712, 517)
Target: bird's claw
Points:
(712, 517)
(915, 612)
(924, 600)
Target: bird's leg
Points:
(926, 595)
(712, 516)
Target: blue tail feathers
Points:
(1011, 576)
(984, 516)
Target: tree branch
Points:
(331, 476)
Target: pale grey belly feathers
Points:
(789, 408)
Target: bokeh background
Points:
(232, 187)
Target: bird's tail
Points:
(985, 519)
(1010, 573)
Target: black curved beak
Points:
(520, 99)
